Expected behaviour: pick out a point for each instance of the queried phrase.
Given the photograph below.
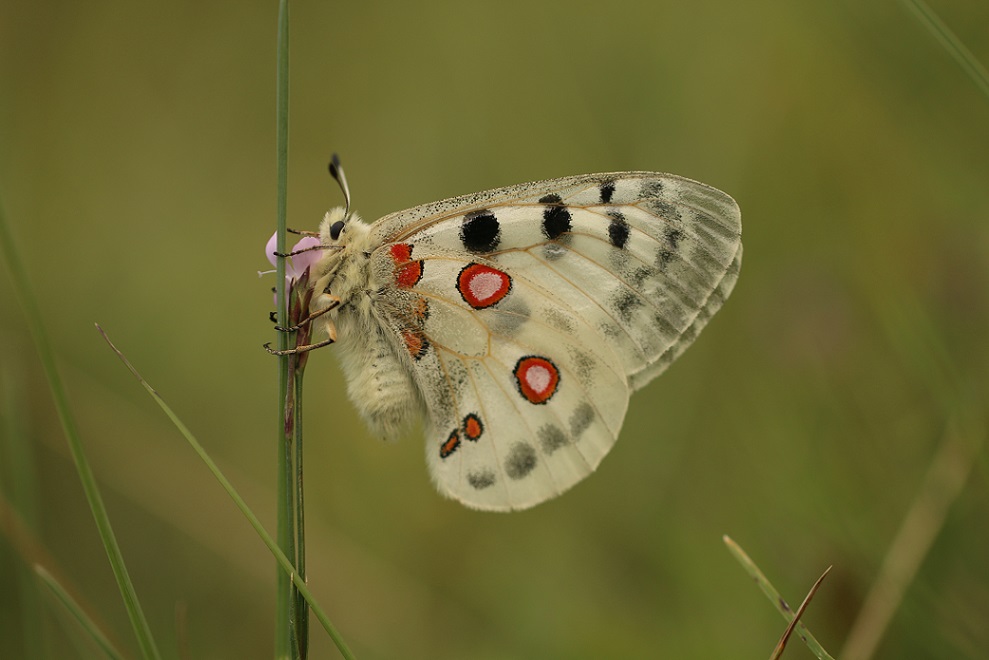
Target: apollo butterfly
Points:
(517, 321)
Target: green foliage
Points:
(136, 168)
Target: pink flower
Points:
(296, 265)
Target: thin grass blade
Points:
(17, 468)
(951, 43)
(32, 312)
(78, 613)
(773, 595)
(781, 645)
(280, 557)
(284, 609)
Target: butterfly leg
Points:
(302, 232)
(308, 249)
(334, 303)
(299, 349)
(305, 348)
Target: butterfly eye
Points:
(335, 229)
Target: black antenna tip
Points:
(336, 171)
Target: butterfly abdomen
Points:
(379, 384)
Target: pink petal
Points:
(269, 249)
(302, 261)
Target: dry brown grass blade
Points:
(947, 475)
(781, 645)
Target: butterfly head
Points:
(341, 234)
(333, 226)
(338, 227)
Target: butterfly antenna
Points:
(336, 171)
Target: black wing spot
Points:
(556, 217)
(480, 231)
(618, 230)
(607, 191)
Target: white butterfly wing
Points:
(528, 315)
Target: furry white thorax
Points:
(379, 384)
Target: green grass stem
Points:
(284, 562)
(32, 312)
(301, 611)
(284, 610)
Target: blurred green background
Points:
(137, 168)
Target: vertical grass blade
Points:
(33, 314)
(284, 648)
(301, 609)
